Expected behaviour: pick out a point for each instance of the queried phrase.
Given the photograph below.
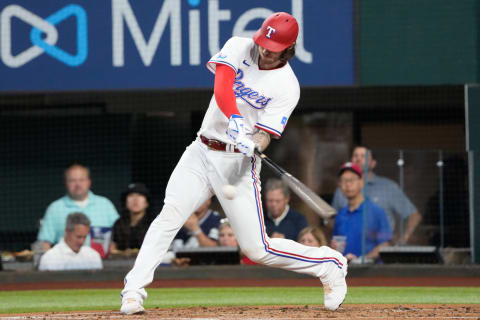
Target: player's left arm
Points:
(261, 139)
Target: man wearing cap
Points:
(349, 220)
(137, 214)
(385, 193)
(255, 92)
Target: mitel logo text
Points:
(187, 30)
(41, 26)
(171, 15)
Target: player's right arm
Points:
(224, 65)
(223, 90)
(226, 101)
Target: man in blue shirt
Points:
(200, 229)
(349, 220)
(280, 220)
(385, 193)
(100, 211)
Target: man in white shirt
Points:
(79, 198)
(70, 253)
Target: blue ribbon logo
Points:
(82, 36)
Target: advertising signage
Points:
(59, 45)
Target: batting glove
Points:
(245, 145)
(235, 126)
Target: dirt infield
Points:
(377, 282)
(353, 311)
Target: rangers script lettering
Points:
(244, 93)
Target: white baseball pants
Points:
(201, 173)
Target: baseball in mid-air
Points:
(229, 191)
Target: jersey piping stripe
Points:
(264, 240)
(221, 62)
(268, 129)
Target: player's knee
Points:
(255, 253)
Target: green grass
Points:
(109, 299)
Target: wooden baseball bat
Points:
(317, 204)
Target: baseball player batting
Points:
(255, 92)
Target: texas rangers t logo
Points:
(270, 31)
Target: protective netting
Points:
(141, 138)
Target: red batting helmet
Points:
(278, 32)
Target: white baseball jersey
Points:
(265, 98)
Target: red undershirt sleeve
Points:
(223, 90)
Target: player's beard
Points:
(269, 59)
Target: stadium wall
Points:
(418, 42)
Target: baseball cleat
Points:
(335, 288)
(131, 306)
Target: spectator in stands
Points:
(200, 229)
(98, 209)
(281, 221)
(130, 229)
(349, 220)
(312, 236)
(70, 253)
(226, 238)
(385, 193)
